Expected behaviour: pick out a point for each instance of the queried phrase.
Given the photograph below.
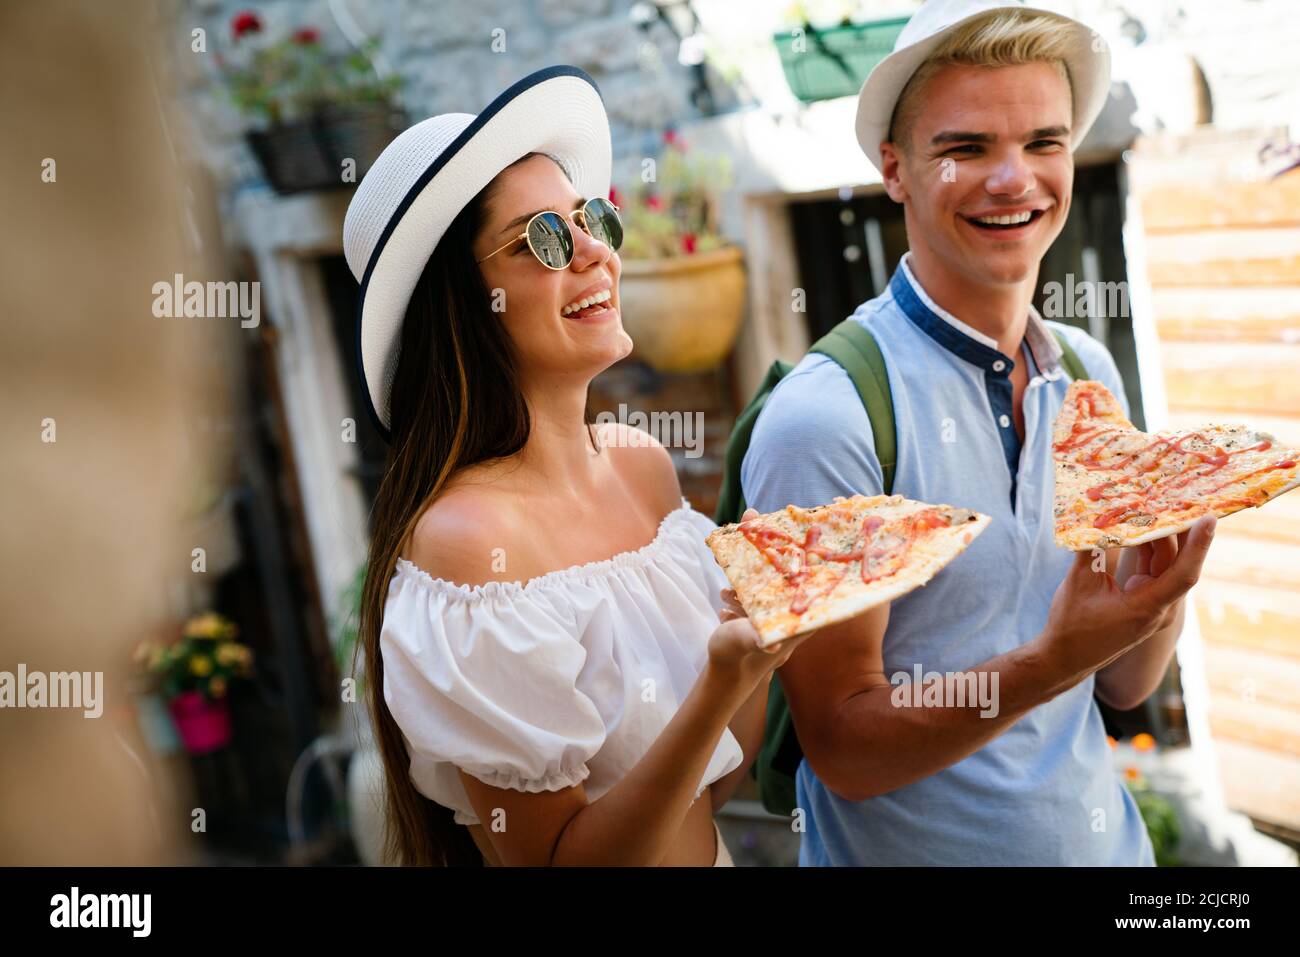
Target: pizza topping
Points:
(1145, 479)
(1197, 458)
(881, 548)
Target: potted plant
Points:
(194, 675)
(313, 107)
(682, 291)
(1157, 811)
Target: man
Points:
(972, 122)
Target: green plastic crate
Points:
(835, 61)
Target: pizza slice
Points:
(803, 568)
(1116, 486)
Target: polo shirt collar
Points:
(965, 341)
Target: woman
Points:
(550, 683)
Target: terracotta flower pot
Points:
(683, 313)
(202, 724)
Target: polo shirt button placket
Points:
(1004, 421)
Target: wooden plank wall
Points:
(1223, 260)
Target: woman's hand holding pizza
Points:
(734, 647)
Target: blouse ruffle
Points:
(564, 679)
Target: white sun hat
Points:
(430, 172)
(1087, 60)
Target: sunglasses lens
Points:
(551, 241)
(603, 222)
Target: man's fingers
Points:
(1163, 552)
(1143, 559)
(1178, 579)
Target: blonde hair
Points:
(997, 39)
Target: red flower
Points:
(613, 195)
(688, 243)
(246, 22)
(672, 139)
(306, 36)
(653, 202)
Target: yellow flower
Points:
(201, 665)
(217, 686)
(227, 653)
(207, 625)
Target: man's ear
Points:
(891, 160)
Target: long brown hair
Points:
(456, 401)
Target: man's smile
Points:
(1006, 224)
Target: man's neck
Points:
(999, 311)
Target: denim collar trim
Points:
(964, 341)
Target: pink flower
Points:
(306, 36)
(246, 22)
(653, 202)
(672, 139)
(688, 243)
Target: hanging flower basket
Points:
(309, 154)
(313, 107)
(821, 64)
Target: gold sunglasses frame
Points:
(579, 212)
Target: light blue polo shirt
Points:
(1046, 790)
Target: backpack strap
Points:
(1069, 358)
(855, 349)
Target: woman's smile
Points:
(593, 305)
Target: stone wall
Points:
(455, 56)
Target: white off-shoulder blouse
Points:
(563, 679)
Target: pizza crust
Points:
(766, 594)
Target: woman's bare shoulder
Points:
(462, 534)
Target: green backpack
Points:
(855, 349)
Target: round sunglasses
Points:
(551, 241)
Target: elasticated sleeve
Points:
(486, 685)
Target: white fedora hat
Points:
(430, 172)
(1088, 63)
